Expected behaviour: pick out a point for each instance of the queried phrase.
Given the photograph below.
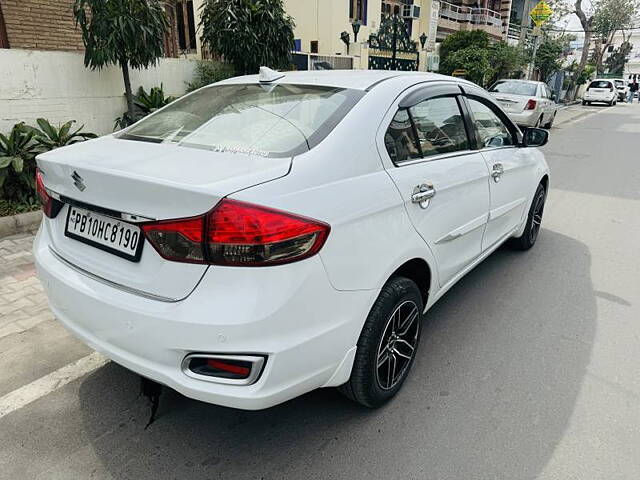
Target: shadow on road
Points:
(500, 365)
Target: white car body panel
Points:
(511, 195)
(305, 317)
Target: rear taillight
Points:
(531, 104)
(50, 206)
(178, 240)
(611, 89)
(239, 234)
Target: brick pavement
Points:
(22, 301)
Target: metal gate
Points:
(392, 48)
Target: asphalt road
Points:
(527, 369)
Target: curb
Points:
(21, 223)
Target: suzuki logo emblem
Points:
(78, 181)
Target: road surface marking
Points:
(31, 392)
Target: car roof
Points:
(604, 79)
(353, 79)
(519, 80)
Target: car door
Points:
(442, 180)
(511, 170)
(550, 104)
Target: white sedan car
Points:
(527, 103)
(269, 235)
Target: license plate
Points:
(106, 233)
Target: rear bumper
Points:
(600, 97)
(291, 313)
(525, 119)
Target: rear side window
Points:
(491, 131)
(440, 126)
(400, 138)
(600, 84)
(269, 120)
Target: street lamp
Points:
(346, 38)
(423, 39)
(356, 28)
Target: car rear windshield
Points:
(619, 83)
(515, 88)
(600, 84)
(268, 120)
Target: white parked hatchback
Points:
(601, 90)
(269, 235)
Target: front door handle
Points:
(497, 172)
(422, 194)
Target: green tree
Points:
(599, 19)
(549, 56)
(610, 17)
(617, 60)
(128, 33)
(248, 34)
(473, 60)
(506, 61)
(458, 41)
(483, 61)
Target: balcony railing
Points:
(476, 16)
(515, 33)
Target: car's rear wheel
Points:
(534, 221)
(549, 124)
(387, 344)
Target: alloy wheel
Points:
(536, 220)
(397, 345)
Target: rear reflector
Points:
(231, 369)
(531, 104)
(50, 206)
(236, 233)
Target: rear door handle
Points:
(497, 171)
(422, 194)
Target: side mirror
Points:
(553, 96)
(534, 137)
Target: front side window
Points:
(491, 131)
(440, 126)
(269, 120)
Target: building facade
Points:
(39, 25)
(49, 25)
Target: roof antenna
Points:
(267, 75)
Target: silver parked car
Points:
(527, 103)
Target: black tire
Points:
(584, 102)
(370, 384)
(534, 221)
(549, 124)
